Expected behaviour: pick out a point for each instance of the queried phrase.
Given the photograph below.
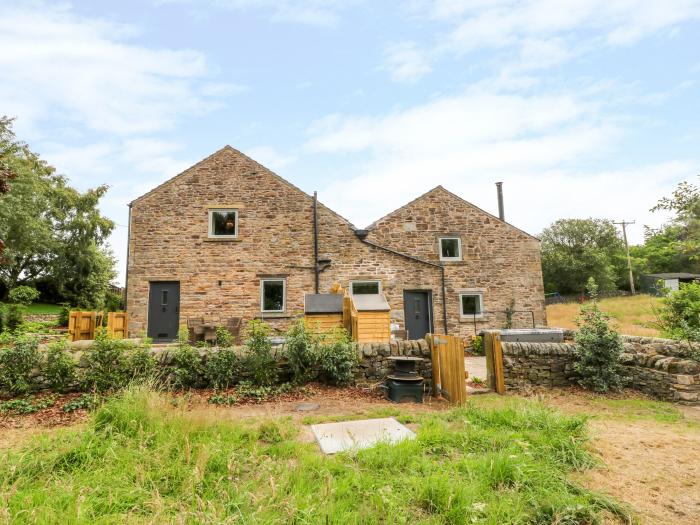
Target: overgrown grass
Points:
(141, 460)
(632, 315)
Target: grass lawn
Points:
(633, 315)
(145, 459)
(44, 308)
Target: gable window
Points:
(223, 223)
(450, 249)
(365, 287)
(471, 304)
(273, 295)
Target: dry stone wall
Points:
(662, 368)
(373, 366)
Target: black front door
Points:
(418, 313)
(164, 311)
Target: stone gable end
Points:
(169, 241)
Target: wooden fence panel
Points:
(81, 325)
(494, 361)
(447, 353)
(118, 325)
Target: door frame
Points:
(429, 293)
(148, 304)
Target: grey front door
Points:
(164, 311)
(418, 313)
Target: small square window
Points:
(223, 223)
(365, 287)
(471, 304)
(272, 295)
(450, 249)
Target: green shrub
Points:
(260, 361)
(223, 368)
(598, 348)
(224, 339)
(84, 401)
(141, 364)
(187, 370)
(477, 346)
(247, 390)
(59, 368)
(16, 364)
(24, 295)
(300, 350)
(14, 316)
(64, 314)
(337, 358)
(107, 364)
(114, 302)
(679, 316)
(24, 406)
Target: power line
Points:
(624, 225)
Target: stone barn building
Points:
(228, 238)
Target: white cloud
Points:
(406, 62)
(309, 12)
(547, 33)
(537, 144)
(83, 72)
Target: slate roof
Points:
(370, 302)
(323, 303)
(675, 275)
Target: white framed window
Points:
(471, 304)
(273, 295)
(223, 223)
(365, 287)
(450, 249)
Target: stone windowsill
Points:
(215, 239)
(279, 315)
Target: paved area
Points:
(476, 366)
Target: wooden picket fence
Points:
(449, 380)
(82, 325)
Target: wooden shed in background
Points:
(366, 317)
(323, 312)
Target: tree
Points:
(675, 247)
(573, 250)
(679, 315)
(51, 230)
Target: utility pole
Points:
(624, 225)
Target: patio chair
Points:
(233, 325)
(195, 330)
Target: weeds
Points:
(139, 456)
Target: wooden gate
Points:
(81, 325)
(494, 361)
(117, 325)
(447, 353)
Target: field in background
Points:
(633, 315)
(43, 308)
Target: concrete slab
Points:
(365, 433)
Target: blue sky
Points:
(581, 107)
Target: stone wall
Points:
(41, 318)
(221, 278)
(373, 365)
(658, 367)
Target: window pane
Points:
(164, 297)
(223, 222)
(273, 296)
(449, 248)
(366, 287)
(471, 305)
